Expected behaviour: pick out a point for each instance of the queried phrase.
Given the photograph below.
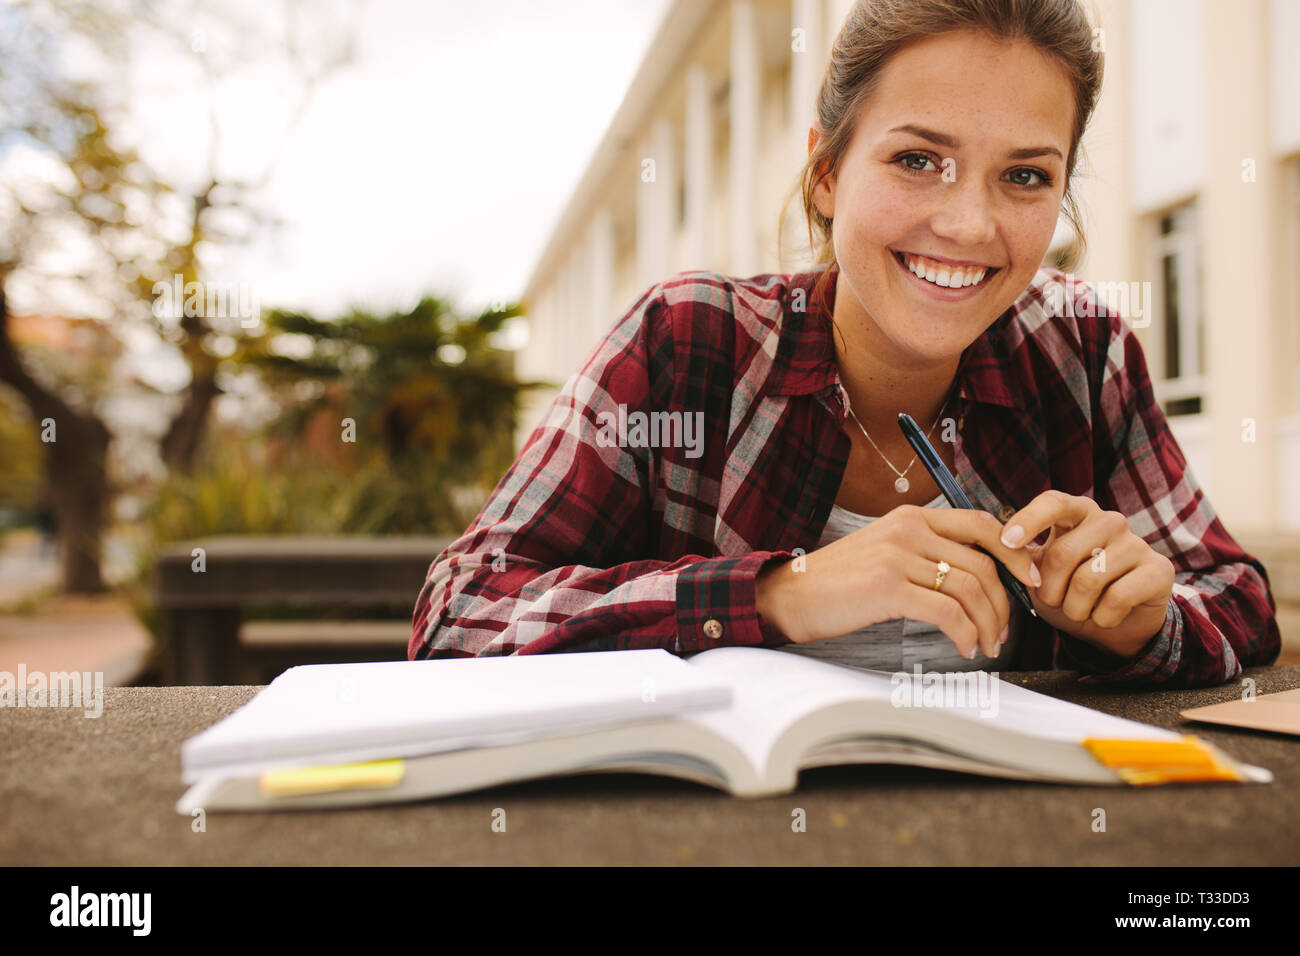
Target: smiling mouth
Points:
(940, 275)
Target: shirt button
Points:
(713, 628)
(1006, 512)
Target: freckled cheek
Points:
(881, 218)
(1027, 235)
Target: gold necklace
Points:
(901, 483)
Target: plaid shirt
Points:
(582, 546)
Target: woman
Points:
(947, 132)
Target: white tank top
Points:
(901, 643)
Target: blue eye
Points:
(907, 163)
(1043, 178)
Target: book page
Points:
(1039, 715)
(773, 690)
(339, 713)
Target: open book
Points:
(745, 720)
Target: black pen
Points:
(956, 497)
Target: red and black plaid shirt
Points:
(587, 547)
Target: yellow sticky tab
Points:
(347, 776)
(1145, 762)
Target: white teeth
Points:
(944, 276)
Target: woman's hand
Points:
(1101, 582)
(887, 570)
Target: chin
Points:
(940, 332)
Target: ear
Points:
(824, 192)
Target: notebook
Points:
(1279, 713)
(744, 720)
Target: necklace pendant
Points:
(901, 485)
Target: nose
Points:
(965, 213)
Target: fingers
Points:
(1087, 542)
(974, 606)
(1047, 509)
(1128, 592)
(948, 614)
(973, 527)
(1093, 572)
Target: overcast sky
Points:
(440, 161)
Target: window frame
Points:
(1183, 243)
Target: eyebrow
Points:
(943, 139)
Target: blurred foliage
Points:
(234, 492)
(430, 393)
(20, 464)
(434, 401)
(89, 226)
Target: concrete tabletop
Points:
(101, 791)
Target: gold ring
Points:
(944, 568)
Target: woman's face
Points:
(957, 165)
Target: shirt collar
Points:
(805, 357)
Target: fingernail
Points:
(1034, 575)
(1012, 535)
(1002, 638)
(971, 655)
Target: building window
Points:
(1179, 331)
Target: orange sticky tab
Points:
(1145, 762)
(350, 776)
(1142, 778)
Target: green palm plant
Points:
(433, 398)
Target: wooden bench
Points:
(205, 587)
(270, 647)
